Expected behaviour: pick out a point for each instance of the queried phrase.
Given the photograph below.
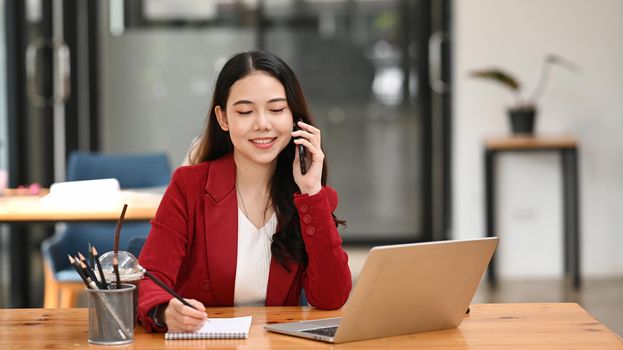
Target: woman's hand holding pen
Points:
(309, 137)
(181, 318)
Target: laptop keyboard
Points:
(326, 331)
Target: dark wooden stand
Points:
(567, 147)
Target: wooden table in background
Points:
(489, 326)
(19, 209)
(15, 208)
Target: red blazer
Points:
(192, 245)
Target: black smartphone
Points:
(301, 150)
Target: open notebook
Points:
(217, 328)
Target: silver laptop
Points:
(404, 289)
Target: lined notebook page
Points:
(217, 328)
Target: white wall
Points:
(516, 35)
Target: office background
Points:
(516, 35)
(141, 80)
(155, 80)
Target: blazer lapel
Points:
(221, 228)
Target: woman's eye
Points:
(277, 110)
(245, 112)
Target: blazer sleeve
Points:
(164, 250)
(327, 279)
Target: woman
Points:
(242, 225)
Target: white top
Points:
(253, 261)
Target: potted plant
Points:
(523, 111)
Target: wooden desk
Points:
(567, 147)
(490, 326)
(28, 209)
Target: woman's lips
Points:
(263, 142)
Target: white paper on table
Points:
(217, 328)
(84, 194)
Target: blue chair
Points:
(62, 285)
(136, 245)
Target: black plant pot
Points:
(522, 121)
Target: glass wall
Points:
(356, 60)
(3, 93)
(353, 60)
(157, 72)
(4, 263)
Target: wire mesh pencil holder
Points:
(128, 272)
(111, 315)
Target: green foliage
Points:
(509, 81)
(498, 75)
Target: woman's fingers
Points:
(198, 306)
(184, 318)
(316, 152)
(309, 138)
(197, 311)
(308, 132)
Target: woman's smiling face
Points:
(257, 117)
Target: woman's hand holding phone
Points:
(300, 149)
(308, 137)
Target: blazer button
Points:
(310, 230)
(304, 208)
(204, 285)
(307, 219)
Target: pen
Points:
(165, 287)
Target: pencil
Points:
(83, 259)
(123, 331)
(165, 287)
(73, 263)
(91, 261)
(99, 267)
(90, 274)
(84, 265)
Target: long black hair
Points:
(215, 143)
